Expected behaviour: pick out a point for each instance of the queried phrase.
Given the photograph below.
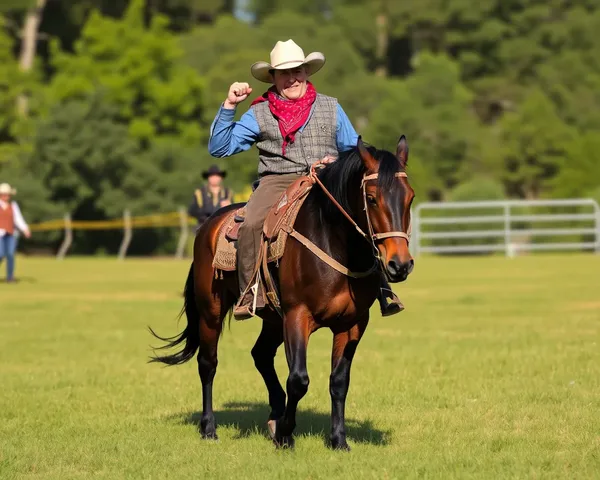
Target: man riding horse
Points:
(293, 127)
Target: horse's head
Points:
(387, 197)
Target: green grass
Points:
(493, 371)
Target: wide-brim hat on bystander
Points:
(287, 55)
(214, 170)
(6, 189)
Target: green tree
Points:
(82, 152)
(580, 171)
(140, 71)
(262, 9)
(205, 45)
(499, 45)
(13, 84)
(534, 146)
(184, 14)
(86, 160)
(432, 108)
(79, 154)
(159, 180)
(571, 78)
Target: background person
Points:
(211, 196)
(11, 221)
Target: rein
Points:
(371, 237)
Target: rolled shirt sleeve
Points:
(228, 137)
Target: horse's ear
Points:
(402, 151)
(368, 160)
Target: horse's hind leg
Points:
(344, 346)
(216, 304)
(263, 352)
(210, 329)
(208, 303)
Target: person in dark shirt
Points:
(210, 196)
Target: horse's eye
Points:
(372, 200)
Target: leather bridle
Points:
(372, 237)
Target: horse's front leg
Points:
(269, 340)
(296, 330)
(344, 346)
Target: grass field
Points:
(493, 371)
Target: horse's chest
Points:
(345, 306)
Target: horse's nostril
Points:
(394, 267)
(397, 269)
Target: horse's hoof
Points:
(286, 443)
(271, 428)
(209, 435)
(342, 446)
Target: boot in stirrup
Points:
(248, 304)
(388, 301)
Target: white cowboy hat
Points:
(6, 189)
(287, 55)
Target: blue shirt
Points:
(228, 137)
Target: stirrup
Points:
(390, 305)
(254, 290)
(242, 311)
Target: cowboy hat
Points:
(6, 189)
(287, 55)
(214, 170)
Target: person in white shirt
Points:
(11, 221)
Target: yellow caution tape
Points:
(171, 219)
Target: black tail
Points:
(191, 333)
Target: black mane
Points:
(345, 174)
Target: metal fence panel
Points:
(506, 230)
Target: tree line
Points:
(106, 105)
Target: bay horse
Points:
(365, 189)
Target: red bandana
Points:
(290, 114)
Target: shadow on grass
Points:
(18, 280)
(251, 417)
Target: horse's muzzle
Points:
(398, 271)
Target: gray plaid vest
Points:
(316, 140)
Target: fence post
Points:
(68, 240)
(597, 210)
(416, 231)
(509, 251)
(126, 234)
(183, 232)
(413, 232)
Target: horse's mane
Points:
(344, 174)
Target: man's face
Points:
(5, 197)
(215, 180)
(291, 83)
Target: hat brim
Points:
(12, 191)
(221, 174)
(314, 62)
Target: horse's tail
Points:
(190, 336)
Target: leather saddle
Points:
(279, 221)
